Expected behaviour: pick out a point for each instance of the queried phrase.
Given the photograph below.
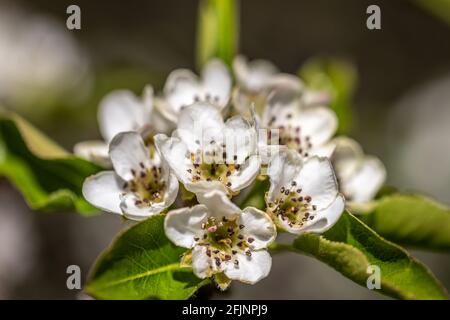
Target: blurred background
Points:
(55, 78)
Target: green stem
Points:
(281, 247)
(217, 30)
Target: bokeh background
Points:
(401, 108)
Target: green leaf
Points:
(337, 77)
(48, 177)
(411, 220)
(256, 196)
(350, 247)
(141, 264)
(217, 30)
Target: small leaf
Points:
(48, 177)
(217, 30)
(411, 220)
(350, 247)
(338, 77)
(142, 263)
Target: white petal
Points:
(94, 151)
(283, 169)
(246, 174)
(160, 122)
(201, 263)
(217, 81)
(122, 111)
(287, 83)
(138, 213)
(319, 123)
(134, 212)
(253, 75)
(218, 204)
(173, 151)
(326, 150)
(323, 220)
(180, 90)
(199, 121)
(366, 181)
(250, 269)
(347, 157)
(281, 101)
(259, 226)
(185, 224)
(128, 152)
(103, 190)
(317, 180)
(316, 98)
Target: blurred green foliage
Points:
(339, 78)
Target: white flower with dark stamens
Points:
(257, 78)
(303, 195)
(183, 88)
(306, 129)
(140, 186)
(360, 176)
(205, 152)
(119, 111)
(226, 242)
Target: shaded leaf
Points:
(350, 247)
(48, 177)
(142, 263)
(411, 220)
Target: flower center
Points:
(290, 136)
(223, 239)
(212, 165)
(292, 206)
(147, 185)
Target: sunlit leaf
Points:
(141, 264)
(351, 247)
(48, 177)
(411, 220)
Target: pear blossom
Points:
(139, 186)
(360, 176)
(307, 129)
(183, 88)
(224, 241)
(257, 78)
(120, 111)
(303, 195)
(207, 152)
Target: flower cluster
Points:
(214, 139)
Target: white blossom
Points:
(360, 176)
(140, 185)
(225, 241)
(303, 195)
(184, 88)
(120, 111)
(205, 152)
